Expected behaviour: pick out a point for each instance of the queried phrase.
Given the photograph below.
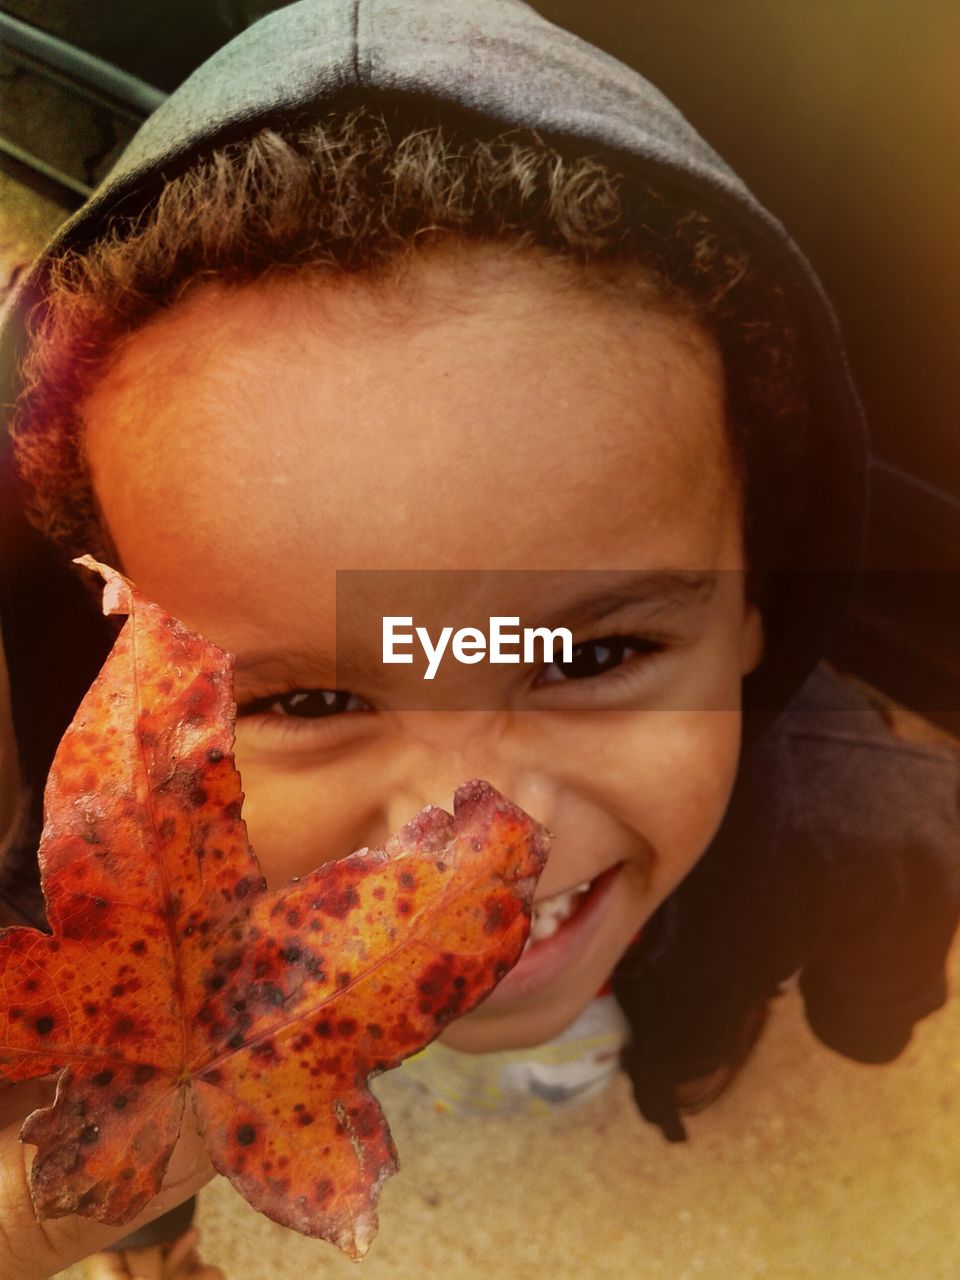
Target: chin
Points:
(521, 1028)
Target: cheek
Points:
(667, 776)
(299, 817)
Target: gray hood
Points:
(501, 59)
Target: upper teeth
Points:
(550, 913)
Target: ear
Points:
(751, 639)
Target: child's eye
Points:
(595, 657)
(304, 704)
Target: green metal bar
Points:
(48, 171)
(83, 68)
(72, 85)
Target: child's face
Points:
(245, 446)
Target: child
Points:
(414, 287)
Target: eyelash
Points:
(260, 710)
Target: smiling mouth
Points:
(551, 913)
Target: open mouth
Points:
(550, 914)
(562, 928)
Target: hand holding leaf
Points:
(172, 973)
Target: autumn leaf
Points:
(172, 973)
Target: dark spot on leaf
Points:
(246, 1135)
(343, 979)
(167, 829)
(440, 865)
(31, 984)
(44, 1025)
(144, 1074)
(403, 907)
(293, 919)
(494, 912)
(214, 755)
(242, 888)
(459, 982)
(375, 1030)
(117, 989)
(235, 1041)
(340, 903)
(102, 1079)
(120, 1101)
(139, 947)
(290, 954)
(347, 1026)
(91, 1010)
(305, 1119)
(406, 880)
(90, 1135)
(322, 1028)
(217, 982)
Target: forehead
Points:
(476, 413)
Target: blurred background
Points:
(842, 115)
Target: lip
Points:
(545, 960)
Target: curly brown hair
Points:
(357, 190)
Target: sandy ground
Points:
(812, 1167)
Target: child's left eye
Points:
(593, 658)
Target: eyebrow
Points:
(656, 591)
(277, 665)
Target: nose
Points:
(434, 765)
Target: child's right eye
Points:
(304, 704)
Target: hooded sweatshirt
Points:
(839, 856)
